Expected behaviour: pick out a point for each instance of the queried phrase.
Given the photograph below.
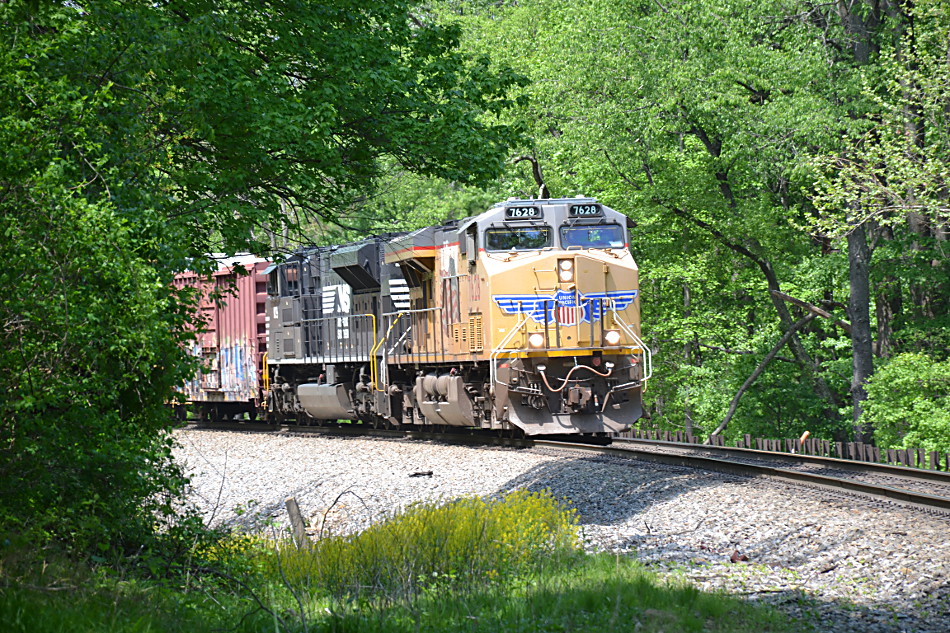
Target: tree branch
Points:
(844, 325)
(758, 370)
(543, 192)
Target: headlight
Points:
(611, 337)
(565, 270)
(536, 339)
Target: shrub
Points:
(470, 542)
(909, 403)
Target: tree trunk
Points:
(859, 309)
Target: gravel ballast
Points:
(836, 564)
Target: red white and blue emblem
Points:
(564, 307)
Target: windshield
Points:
(519, 238)
(597, 236)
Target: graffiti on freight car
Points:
(238, 369)
(229, 374)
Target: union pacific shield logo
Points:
(564, 307)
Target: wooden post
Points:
(859, 451)
(296, 522)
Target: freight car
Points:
(524, 319)
(231, 342)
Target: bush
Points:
(86, 368)
(909, 403)
(471, 542)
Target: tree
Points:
(140, 137)
(891, 179)
(908, 404)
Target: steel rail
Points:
(919, 500)
(877, 468)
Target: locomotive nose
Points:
(590, 275)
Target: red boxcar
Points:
(233, 342)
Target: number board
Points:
(523, 213)
(585, 211)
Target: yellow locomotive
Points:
(525, 318)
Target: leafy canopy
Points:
(136, 138)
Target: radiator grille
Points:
(475, 343)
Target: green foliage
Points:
(897, 163)
(87, 365)
(139, 137)
(575, 593)
(466, 543)
(582, 593)
(85, 601)
(909, 403)
(404, 201)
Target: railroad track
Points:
(925, 490)
(919, 489)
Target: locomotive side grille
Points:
(399, 291)
(475, 341)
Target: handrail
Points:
(349, 318)
(493, 371)
(417, 310)
(373, 362)
(376, 347)
(647, 354)
(414, 353)
(399, 340)
(265, 379)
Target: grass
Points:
(587, 593)
(472, 565)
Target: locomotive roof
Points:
(424, 238)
